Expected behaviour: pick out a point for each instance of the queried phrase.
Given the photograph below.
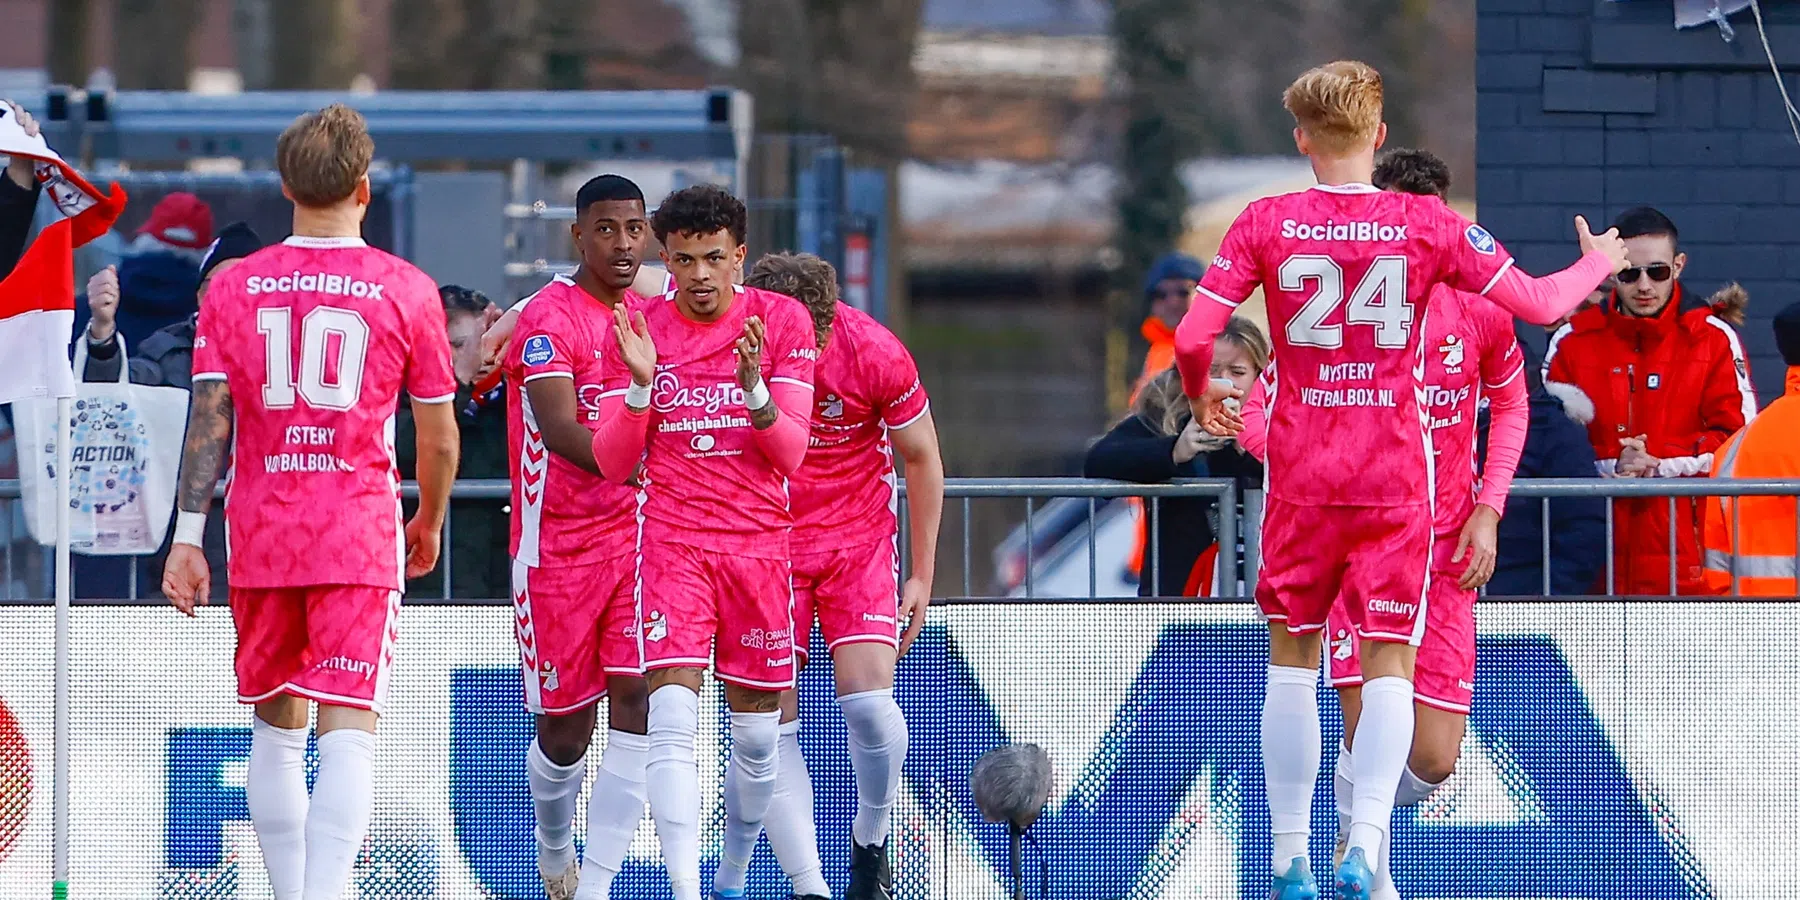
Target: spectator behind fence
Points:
(156, 281)
(1753, 539)
(1168, 289)
(475, 554)
(1669, 382)
(1160, 441)
(166, 357)
(1556, 446)
(18, 196)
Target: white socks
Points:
(673, 785)
(1383, 743)
(614, 809)
(793, 835)
(749, 788)
(338, 818)
(275, 791)
(878, 742)
(554, 790)
(1290, 753)
(1413, 789)
(1341, 790)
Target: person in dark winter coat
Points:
(1160, 442)
(157, 281)
(1556, 446)
(476, 556)
(166, 357)
(18, 197)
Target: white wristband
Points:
(757, 397)
(637, 396)
(190, 528)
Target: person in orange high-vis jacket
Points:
(1753, 540)
(1168, 289)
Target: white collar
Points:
(324, 243)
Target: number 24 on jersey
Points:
(1379, 300)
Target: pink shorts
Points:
(1374, 556)
(736, 611)
(1444, 675)
(332, 643)
(576, 625)
(854, 591)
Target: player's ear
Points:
(738, 256)
(1678, 263)
(1301, 143)
(364, 192)
(575, 237)
(1380, 134)
(286, 194)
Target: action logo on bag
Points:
(106, 456)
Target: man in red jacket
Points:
(1670, 383)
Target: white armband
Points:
(757, 397)
(637, 396)
(190, 528)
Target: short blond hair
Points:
(1337, 104)
(324, 154)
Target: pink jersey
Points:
(867, 383)
(561, 514)
(1470, 352)
(1346, 271)
(317, 338)
(706, 481)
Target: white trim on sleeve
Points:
(207, 376)
(531, 378)
(432, 401)
(1216, 297)
(1497, 276)
(914, 419)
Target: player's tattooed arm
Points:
(765, 418)
(210, 421)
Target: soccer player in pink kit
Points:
(713, 391)
(1347, 271)
(868, 402)
(1471, 356)
(300, 356)
(574, 549)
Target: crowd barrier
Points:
(1618, 747)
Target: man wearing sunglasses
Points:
(1169, 287)
(1670, 383)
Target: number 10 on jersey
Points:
(334, 344)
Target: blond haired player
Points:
(300, 356)
(1347, 271)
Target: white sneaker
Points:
(562, 887)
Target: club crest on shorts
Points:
(547, 675)
(656, 626)
(538, 350)
(1480, 239)
(1654, 382)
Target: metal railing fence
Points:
(1060, 516)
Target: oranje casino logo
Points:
(15, 781)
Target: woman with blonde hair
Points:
(1159, 441)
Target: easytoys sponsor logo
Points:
(669, 394)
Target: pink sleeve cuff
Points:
(784, 442)
(1509, 411)
(1541, 301)
(619, 441)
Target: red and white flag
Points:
(37, 299)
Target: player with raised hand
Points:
(868, 403)
(574, 549)
(1471, 358)
(713, 391)
(1347, 270)
(300, 356)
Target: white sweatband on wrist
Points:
(637, 396)
(190, 528)
(757, 397)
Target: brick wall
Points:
(1591, 107)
